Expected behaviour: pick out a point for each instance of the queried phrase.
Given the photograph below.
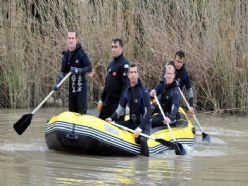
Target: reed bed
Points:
(213, 35)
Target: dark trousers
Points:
(141, 140)
(78, 101)
(157, 121)
(109, 107)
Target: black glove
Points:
(177, 83)
(191, 102)
(55, 87)
(76, 70)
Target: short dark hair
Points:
(119, 41)
(180, 54)
(134, 65)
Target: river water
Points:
(26, 160)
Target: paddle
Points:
(159, 140)
(21, 125)
(205, 137)
(178, 147)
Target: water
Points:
(26, 160)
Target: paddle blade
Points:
(206, 137)
(178, 147)
(166, 143)
(21, 125)
(179, 150)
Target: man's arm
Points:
(190, 96)
(121, 108)
(159, 87)
(64, 70)
(176, 99)
(86, 63)
(189, 89)
(147, 110)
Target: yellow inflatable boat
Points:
(73, 132)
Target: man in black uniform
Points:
(182, 77)
(170, 98)
(115, 82)
(136, 96)
(75, 60)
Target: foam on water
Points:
(39, 147)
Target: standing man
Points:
(136, 96)
(182, 77)
(75, 60)
(170, 98)
(115, 82)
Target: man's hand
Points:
(99, 106)
(55, 87)
(153, 93)
(108, 120)
(137, 131)
(166, 120)
(192, 111)
(92, 73)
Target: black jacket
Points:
(138, 100)
(182, 78)
(170, 98)
(79, 59)
(116, 79)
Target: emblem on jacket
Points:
(134, 118)
(126, 66)
(73, 84)
(76, 83)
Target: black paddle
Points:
(178, 147)
(205, 136)
(168, 144)
(22, 124)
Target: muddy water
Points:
(25, 160)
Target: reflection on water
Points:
(26, 160)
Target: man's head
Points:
(170, 73)
(133, 74)
(179, 59)
(71, 40)
(116, 47)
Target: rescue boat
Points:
(87, 134)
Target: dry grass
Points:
(212, 33)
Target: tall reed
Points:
(212, 33)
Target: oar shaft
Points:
(50, 94)
(162, 112)
(176, 146)
(130, 130)
(196, 120)
(44, 100)
(188, 106)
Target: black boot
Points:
(144, 146)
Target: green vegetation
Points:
(214, 35)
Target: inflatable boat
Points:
(73, 132)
